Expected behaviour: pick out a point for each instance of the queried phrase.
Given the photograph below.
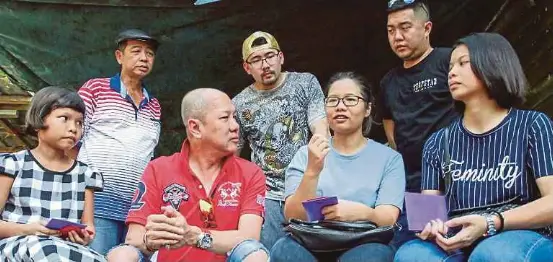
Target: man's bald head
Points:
(197, 102)
(208, 115)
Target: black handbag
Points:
(332, 236)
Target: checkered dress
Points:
(38, 194)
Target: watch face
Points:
(206, 241)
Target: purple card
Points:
(422, 208)
(314, 207)
(57, 224)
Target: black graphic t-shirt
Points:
(417, 99)
(494, 167)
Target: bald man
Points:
(202, 203)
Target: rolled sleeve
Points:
(431, 162)
(540, 145)
(315, 108)
(392, 187)
(9, 166)
(382, 106)
(254, 199)
(147, 198)
(294, 172)
(94, 180)
(237, 116)
(89, 98)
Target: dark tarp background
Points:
(67, 42)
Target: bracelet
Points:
(501, 219)
(144, 239)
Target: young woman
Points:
(367, 177)
(500, 156)
(43, 183)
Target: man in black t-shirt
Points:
(414, 98)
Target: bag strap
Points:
(348, 226)
(338, 225)
(446, 161)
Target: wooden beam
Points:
(11, 116)
(496, 16)
(14, 107)
(543, 92)
(17, 139)
(7, 149)
(15, 100)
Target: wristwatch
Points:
(491, 225)
(205, 241)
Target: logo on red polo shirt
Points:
(230, 193)
(175, 194)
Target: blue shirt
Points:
(492, 167)
(373, 176)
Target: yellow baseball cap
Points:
(248, 49)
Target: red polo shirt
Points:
(238, 189)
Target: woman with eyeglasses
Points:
(498, 178)
(367, 177)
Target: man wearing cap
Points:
(121, 130)
(277, 114)
(414, 98)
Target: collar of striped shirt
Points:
(117, 85)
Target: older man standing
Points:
(277, 114)
(202, 203)
(122, 127)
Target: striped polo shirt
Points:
(118, 140)
(495, 166)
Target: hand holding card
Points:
(314, 207)
(421, 209)
(65, 226)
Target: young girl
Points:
(500, 161)
(43, 183)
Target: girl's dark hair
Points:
(496, 64)
(366, 92)
(45, 101)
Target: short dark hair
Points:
(420, 10)
(366, 92)
(45, 101)
(495, 63)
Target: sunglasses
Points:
(405, 2)
(206, 213)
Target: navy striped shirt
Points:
(493, 167)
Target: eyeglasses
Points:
(392, 2)
(270, 59)
(348, 101)
(206, 213)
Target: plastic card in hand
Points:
(421, 209)
(314, 207)
(64, 227)
(58, 224)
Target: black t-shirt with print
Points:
(417, 99)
